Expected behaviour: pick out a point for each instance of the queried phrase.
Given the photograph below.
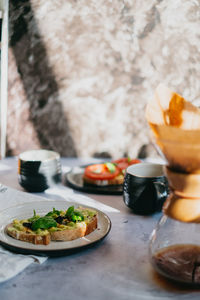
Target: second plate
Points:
(74, 179)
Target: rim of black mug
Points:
(142, 164)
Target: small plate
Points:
(74, 179)
(54, 248)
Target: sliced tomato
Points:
(134, 161)
(124, 162)
(100, 172)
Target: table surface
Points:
(116, 268)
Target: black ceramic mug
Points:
(145, 188)
(39, 169)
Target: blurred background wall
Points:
(81, 72)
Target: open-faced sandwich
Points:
(109, 173)
(56, 225)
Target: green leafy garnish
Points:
(70, 212)
(34, 218)
(74, 215)
(111, 167)
(44, 223)
(78, 213)
(128, 159)
(54, 213)
(76, 218)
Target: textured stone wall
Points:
(81, 72)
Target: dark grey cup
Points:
(145, 188)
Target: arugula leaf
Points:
(43, 223)
(79, 215)
(111, 167)
(70, 211)
(74, 215)
(76, 218)
(34, 218)
(54, 213)
(128, 159)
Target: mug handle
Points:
(161, 189)
(162, 193)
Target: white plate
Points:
(54, 248)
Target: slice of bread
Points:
(119, 179)
(79, 231)
(60, 233)
(27, 236)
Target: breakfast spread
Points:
(109, 173)
(56, 225)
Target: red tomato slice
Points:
(124, 162)
(134, 161)
(100, 172)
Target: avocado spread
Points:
(55, 220)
